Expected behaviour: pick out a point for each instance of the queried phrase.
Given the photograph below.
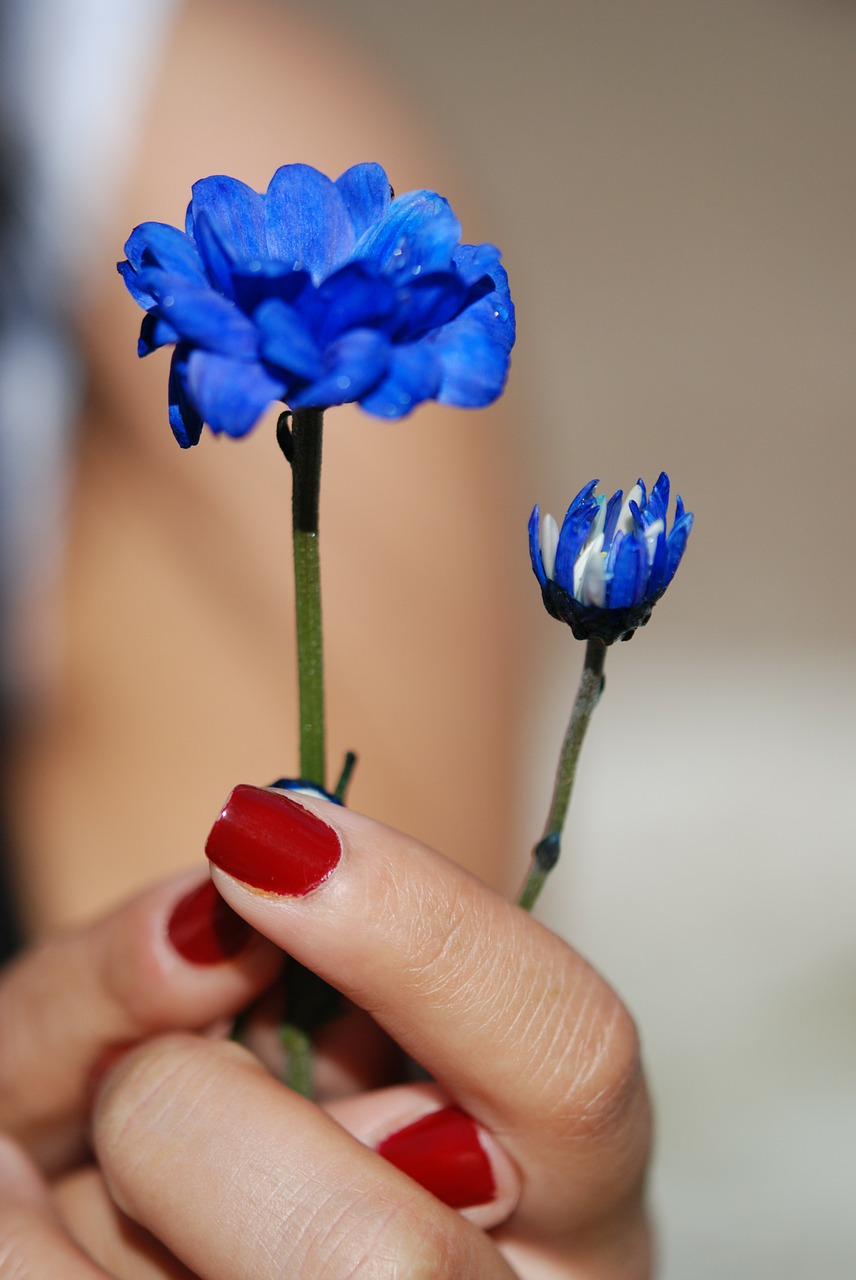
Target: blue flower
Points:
(610, 563)
(318, 293)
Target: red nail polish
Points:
(204, 929)
(442, 1152)
(270, 842)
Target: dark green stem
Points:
(545, 855)
(305, 449)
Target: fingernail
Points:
(442, 1152)
(204, 929)
(272, 843)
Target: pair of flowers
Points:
(319, 293)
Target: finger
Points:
(241, 1178)
(174, 957)
(33, 1243)
(420, 1131)
(509, 1020)
(109, 1236)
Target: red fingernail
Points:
(270, 842)
(204, 929)
(442, 1152)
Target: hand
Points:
(176, 957)
(545, 1157)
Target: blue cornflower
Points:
(318, 293)
(610, 563)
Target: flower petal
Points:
(352, 298)
(307, 223)
(154, 333)
(184, 418)
(428, 302)
(474, 357)
(235, 213)
(418, 233)
(201, 315)
(677, 543)
(156, 244)
(629, 572)
(231, 395)
(535, 546)
(287, 340)
(473, 261)
(353, 364)
(257, 282)
(366, 194)
(413, 376)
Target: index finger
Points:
(175, 957)
(509, 1020)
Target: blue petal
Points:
(658, 502)
(235, 218)
(202, 316)
(474, 357)
(264, 280)
(419, 233)
(142, 297)
(365, 190)
(308, 225)
(473, 261)
(583, 497)
(575, 529)
(679, 509)
(354, 364)
(677, 543)
(413, 376)
(535, 546)
(659, 565)
(184, 419)
(629, 573)
(644, 499)
(287, 340)
(154, 333)
(353, 298)
(613, 511)
(156, 244)
(428, 302)
(231, 395)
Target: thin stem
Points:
(545, 855)
(305, 448)
(298, 1046)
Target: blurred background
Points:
(673, 186)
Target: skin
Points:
(540, 1052)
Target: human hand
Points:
(175, 957)
(238, 1177)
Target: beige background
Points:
(672, 183)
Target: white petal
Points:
(593, 585)
(592, 548)
(548, 540)
(625, 517)
(652, 534)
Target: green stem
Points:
(545, 855)
(305, 449)
(298, 1045)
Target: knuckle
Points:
(381, 1240)
(591, 1078)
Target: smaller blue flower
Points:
(607, 567)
